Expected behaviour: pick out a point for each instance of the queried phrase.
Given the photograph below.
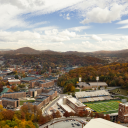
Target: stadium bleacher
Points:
(98, 95)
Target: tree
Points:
(66, 114)
(8, 114)
(16, 77)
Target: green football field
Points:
(105, 107)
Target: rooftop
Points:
(75, 101)
(48, 93)
(102, 123)
(10, 99)
(28, 78)
(36, 103)
(4, 91)
(41, 98)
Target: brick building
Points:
(44, 98)
(34, 92)
(14, 95)
(28, 79)
(41, 83)
(69, 103)
(52, 94)
(10, 103)
(47, 83)
(14, 81)
(123, 112)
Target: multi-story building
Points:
(123, 112)
(10, 103)
(14, 95)
(52, 94)
(41, 83)
(69, 103)
(28, 79)
(14, 81)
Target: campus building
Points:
(43, 98)
(14, 81)
(10, 103)
(102, 123)
(123, 112)
(28, 79)
(91, 85)
(41, 83)
(71, 104)
(14, 95)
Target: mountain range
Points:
(28, 50)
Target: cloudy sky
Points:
(69, 25)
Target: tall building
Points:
(50, 70)
(123, 112)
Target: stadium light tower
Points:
(97, 78)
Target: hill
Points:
(24, 50)
(99, 54)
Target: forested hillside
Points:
(51, 60)
(115, 74)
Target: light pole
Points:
(97, 78)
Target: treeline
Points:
(51, 60)
(115, 74)
(24, 118)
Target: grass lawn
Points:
(105, 107)
(21, 102)
(121, 97)
(120, 91)
(77, 90)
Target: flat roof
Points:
(66, 107)
(41, 98)
(13, 92)
(10, 99)
(28, 78)
(36, 103)
(48, 93)
(102, 123)
(75, 101)
(14, 80)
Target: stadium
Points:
(99, 101)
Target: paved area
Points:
(55, 108)
(79, 119)
(47, 108)
(66, 124)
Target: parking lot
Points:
(66, 124)
(55, 108)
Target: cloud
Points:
(67, 33)
(41, 29)
(105, 15)
(97, 38)
(80, 28)
(123, 22)
(67, 17)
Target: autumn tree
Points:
(8, 114)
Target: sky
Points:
(69, 25)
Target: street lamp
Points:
(97, 78)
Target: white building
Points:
(102, 123)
